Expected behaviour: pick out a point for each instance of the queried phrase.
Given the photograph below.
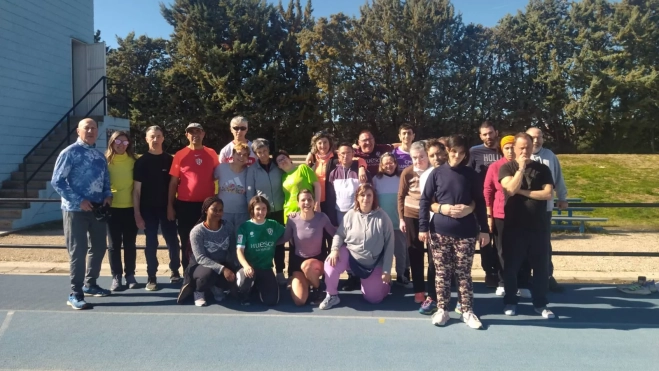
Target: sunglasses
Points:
(239, 128)
(282, 159)
(119, 141)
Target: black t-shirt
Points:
(521, 211)
(481, 157)
(153, 172)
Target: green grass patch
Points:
(615, 178)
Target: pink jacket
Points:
(493, 191)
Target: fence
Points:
(560, 253)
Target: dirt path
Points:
(612, 241)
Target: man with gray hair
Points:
(547, 157)
(82, 179)
(239, 127)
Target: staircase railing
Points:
(67, 116)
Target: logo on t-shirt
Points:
(240, 238)
(270, 231)
(198, 161)
(251, 234)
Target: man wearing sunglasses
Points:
(239, 127)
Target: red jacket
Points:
(493, 191)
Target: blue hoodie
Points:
(81, 173)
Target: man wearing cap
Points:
(82, 179)
(239, 127)
(191, 183)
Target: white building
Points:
(48, 62)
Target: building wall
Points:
(46, 212)
(35, 69)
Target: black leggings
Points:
(204, 278)
(266, 284)
(280, 250)
(122, 230)
(415, 252)
(187, 215)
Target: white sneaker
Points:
(635, 289)
(545, 312)
(500, 291)
(472, 321)
(524, 293)
(218, 293)
(329, 302)
(281, 280)
(510, 309)
(440, 317)
(199, 299)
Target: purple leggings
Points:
(373, 288)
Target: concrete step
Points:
(18, 184)
(13, 205)
(18, 193)
(11, 213)
(6, 223)
(33, 167)
(40, 176)
(34, 159)
(52, 144)
(46, 151)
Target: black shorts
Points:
(295, 262)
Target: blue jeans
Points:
(154, 218)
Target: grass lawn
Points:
(615, 178)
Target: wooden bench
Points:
(571, 209)
(577, 221)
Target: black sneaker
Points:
(491, 281)
(175, 277)
(554, 286)
(152, 284)
(352, 284)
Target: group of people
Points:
(351, 208)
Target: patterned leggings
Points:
(453, 256)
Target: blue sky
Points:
(119, 17)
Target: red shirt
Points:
(194, 168)
(373, 159)
(493, 191)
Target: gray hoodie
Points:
(547, 157)
(267, 184)
(367, 236)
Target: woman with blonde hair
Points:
(122, 228)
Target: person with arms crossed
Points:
(528, 186)
(481, 157)
(239, 127)
(494, 202)
(82, 179)
(547, 157)
(192, 181)
(150, 191)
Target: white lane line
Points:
(289, 315)
(5, 323)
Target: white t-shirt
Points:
(226, 154)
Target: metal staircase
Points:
(34, 174)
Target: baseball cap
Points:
(194, 125)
